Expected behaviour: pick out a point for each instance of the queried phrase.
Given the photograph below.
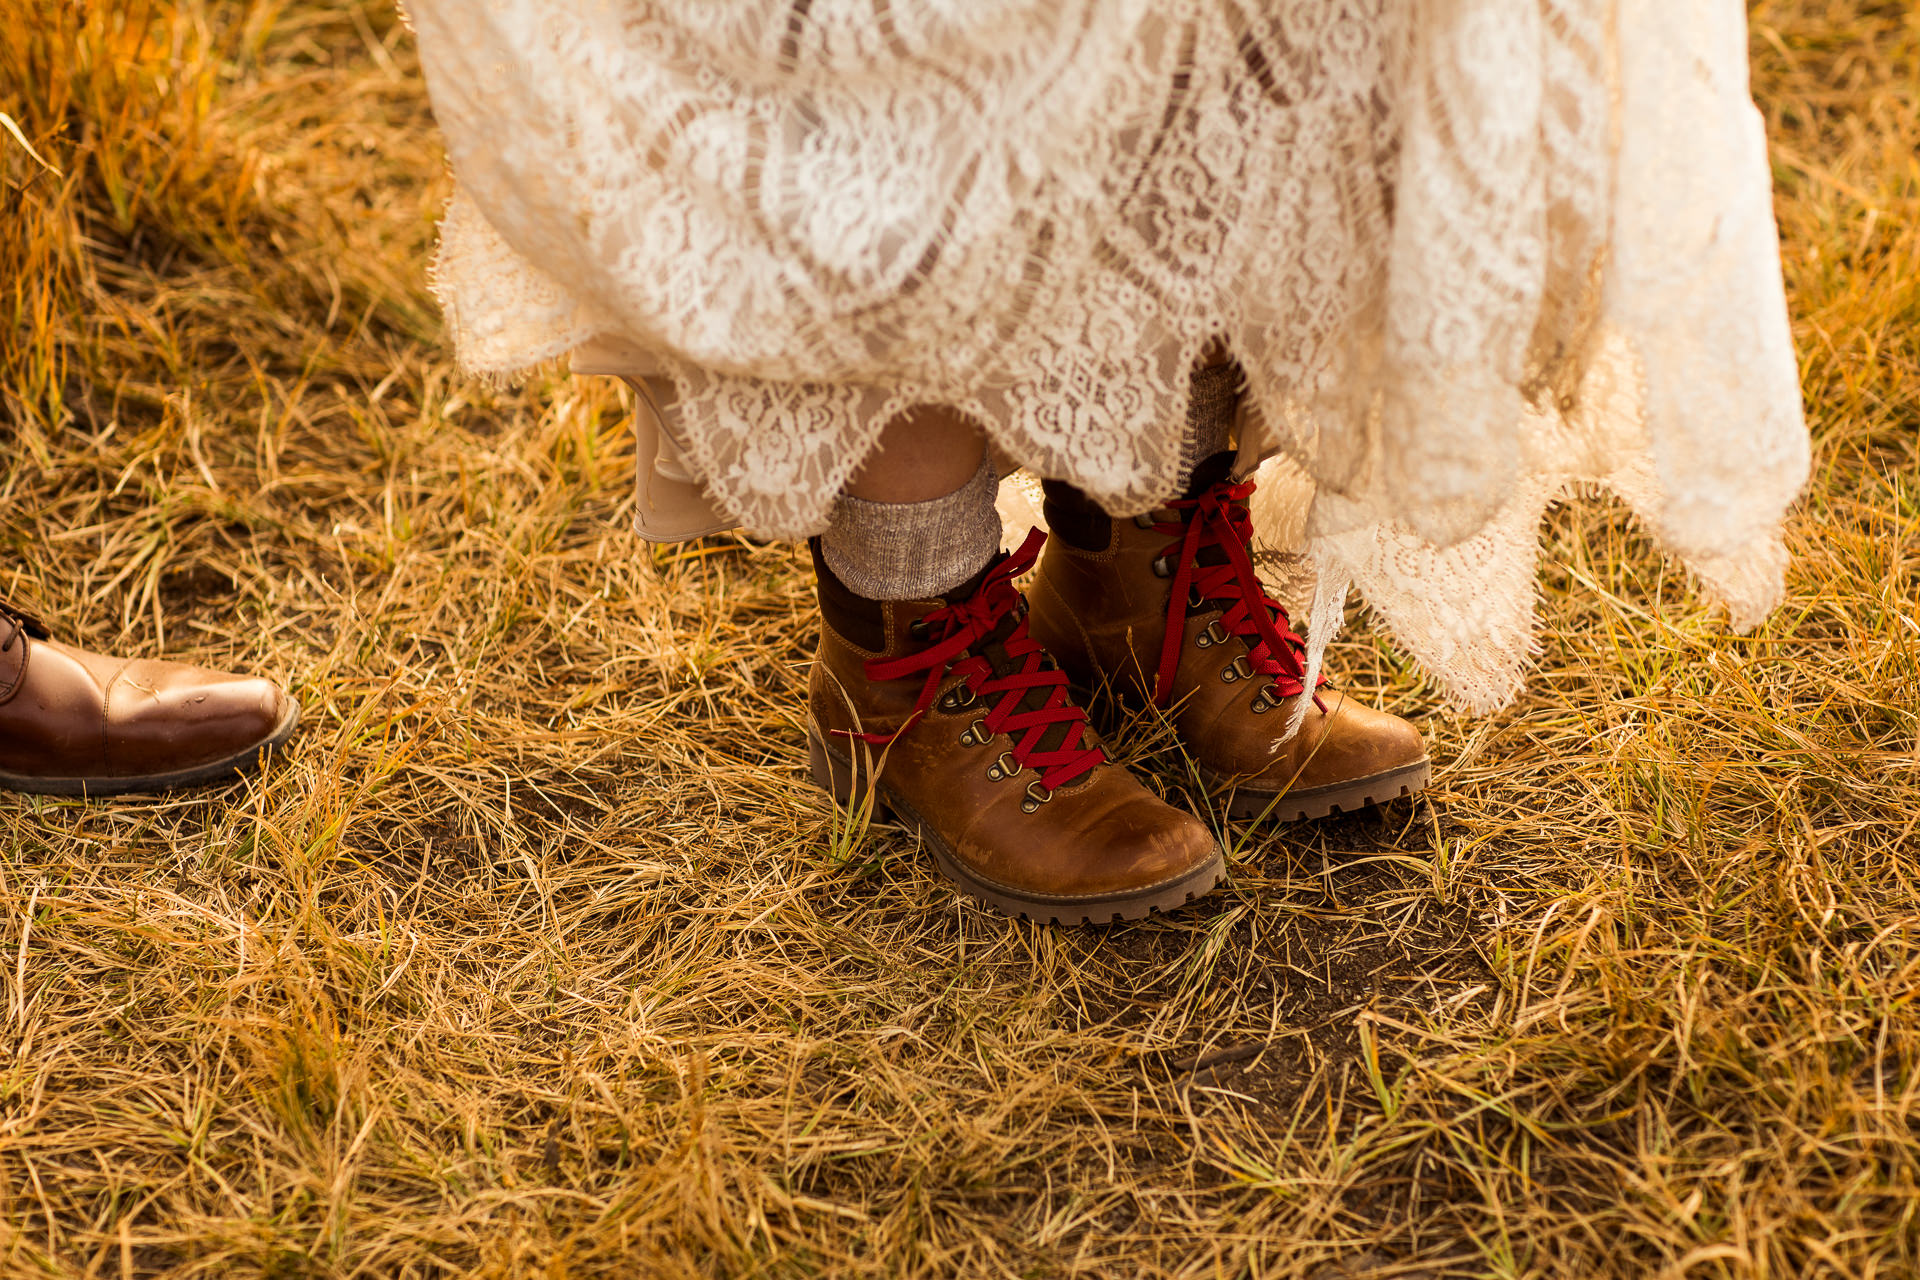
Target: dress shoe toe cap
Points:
(168, 716)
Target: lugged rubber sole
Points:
(214, 771)
(1321, 802)
(1293, 804)
(837, 775)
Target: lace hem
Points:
(1469, 255)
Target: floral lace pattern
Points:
(1470, 254)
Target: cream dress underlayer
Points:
(1470, 253)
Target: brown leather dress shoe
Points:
(965, 731)
(78, 723)
(1167, 609)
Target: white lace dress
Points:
(1470, 253)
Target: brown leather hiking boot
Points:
(966, 732)
(1167, 609)
(79, 723)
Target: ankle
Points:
(1213, 401)
(913, 550)
(862, 621)
(1206, 459)
(1080, 522)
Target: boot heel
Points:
(839, 779)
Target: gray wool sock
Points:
(1214, 398)
(914, 550)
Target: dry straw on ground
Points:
(535, 955)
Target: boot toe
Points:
(1107, 843)
(1352, 741)
(1381, 739)
(1139, 845)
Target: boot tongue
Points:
(971, 585)
(1215, 469)
(863, 622)
(992, 647)
(1212, 469)
(858, 620)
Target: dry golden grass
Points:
(535, 955)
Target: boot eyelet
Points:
(1194, 599)
(1213, 635)
(1162, 568)
(1269, 698)
(1037, 795)
(917, 628)
(1143, 521)
(1003, 766)
(958, 699)
(1238, 669)
(977, 735)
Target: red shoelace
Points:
(953, 631)
(1218, 519)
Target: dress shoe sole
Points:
(1305, 804)
(835, 774)
(213, 771)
